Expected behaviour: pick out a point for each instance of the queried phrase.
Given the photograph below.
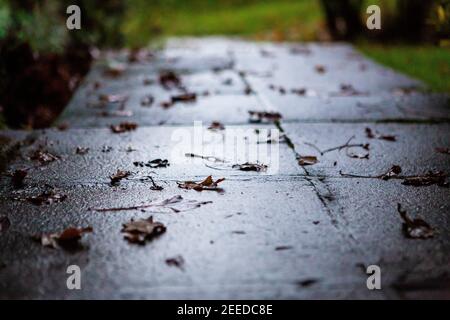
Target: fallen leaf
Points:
(259, 116)
(207, 184)
(124, 127)
(394, 171)
(216, 125)
(4, 223)
(258, 167)
(439, 178)
(112, 98)
(417, 228)
(119, 175)
(176, 261)
(141, 231)
(443, 150)
(17, 178)
(106, 149)
(307, 160)
(169, 80)
(81, 150)
(43, 156)
(67, 239)
(47, 197)
(157, 163)
(116, 113)
(320, 69)
(282, 248)
(375, 135)
(300, 91)
(307, 282)
(348, 90)
(175, 204)
(185, 97)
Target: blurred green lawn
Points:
(276, 20)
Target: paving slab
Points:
(414, 149)
(108, 152)
(229, 244)
(412, 268)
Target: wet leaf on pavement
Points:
(417, 228)
(376, 135)
(177, 261)
(216, 126)
(259, 116)
(47, 197)
(207, 184)
(118, 176)
(169, 80)
(67, 239)
(394, 171)
(438, 177)
(81, 150)
(43, 156)
(156, 163)
(185, 97)
(123, 127)
(307, 160)
(258, 167)
(143, 230)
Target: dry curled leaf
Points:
(320, 69)
(307, 160)
(141, 231)
(259, 116)
(439, 178)
(348, 90)
(176, 261)
(258, 167)
(119, 175)
(81, 150)
(156, 163)
(169, 80)
(112, 98)
(66, 239)
(4, 223)
(185, 97)
(394, 171)
(417, 228)
(376, 135)
(43, 156)
(17, 178)
(207, 184)
(47, 197)
(216, 125)
(124, 127)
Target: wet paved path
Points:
(290, 232)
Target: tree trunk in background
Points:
(411, 19)
(343, 18)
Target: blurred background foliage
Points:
(41, 61)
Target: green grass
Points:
(426, 63)
(273, 19)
